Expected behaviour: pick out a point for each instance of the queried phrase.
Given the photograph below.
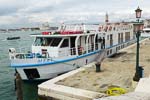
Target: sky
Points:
(29, 13)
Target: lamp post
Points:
(138, 73)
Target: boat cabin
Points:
(66, 44)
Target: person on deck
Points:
(103, 43)
(100, 41)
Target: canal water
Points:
(7, 88)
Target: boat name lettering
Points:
(43, 60)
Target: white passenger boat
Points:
(54, 53)
(145, 32)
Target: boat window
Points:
(147, 31)
(108, 52)
(65, 43)
(55, 41)
(48, 41)
(45, 41)
(38, 41)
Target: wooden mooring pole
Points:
(18, 86)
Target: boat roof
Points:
(146, 29)
(64, 35)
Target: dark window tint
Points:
(55, 42)
(32, 73)
(65, 43)
(38, 41)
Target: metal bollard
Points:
(98, 67)
(141, 71)
(139, 74)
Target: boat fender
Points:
(12, 50)
(12, 53)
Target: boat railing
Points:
(84, 49)
(90, 47)
(67, 52)
(87, 48)
(73, 51)
(25, 55)
(62, 53)
(23, 50)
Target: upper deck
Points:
(70, 31)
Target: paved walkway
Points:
(116, 71)
(85, 84)
(142, 92)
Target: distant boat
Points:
(145, 32)
(13, 38)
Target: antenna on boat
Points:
(62, 26)
(84, 28)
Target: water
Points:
(7, 88)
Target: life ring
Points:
(115, 91)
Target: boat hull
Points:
(52, 70)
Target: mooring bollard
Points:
(18, 87)
(98, 67)
(141, 72)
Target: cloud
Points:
(32, 12)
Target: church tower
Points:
(106, 18)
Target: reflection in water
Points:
(30, 90)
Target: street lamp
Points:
(138, 73)
(138, 12)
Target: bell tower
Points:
(106, 18)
